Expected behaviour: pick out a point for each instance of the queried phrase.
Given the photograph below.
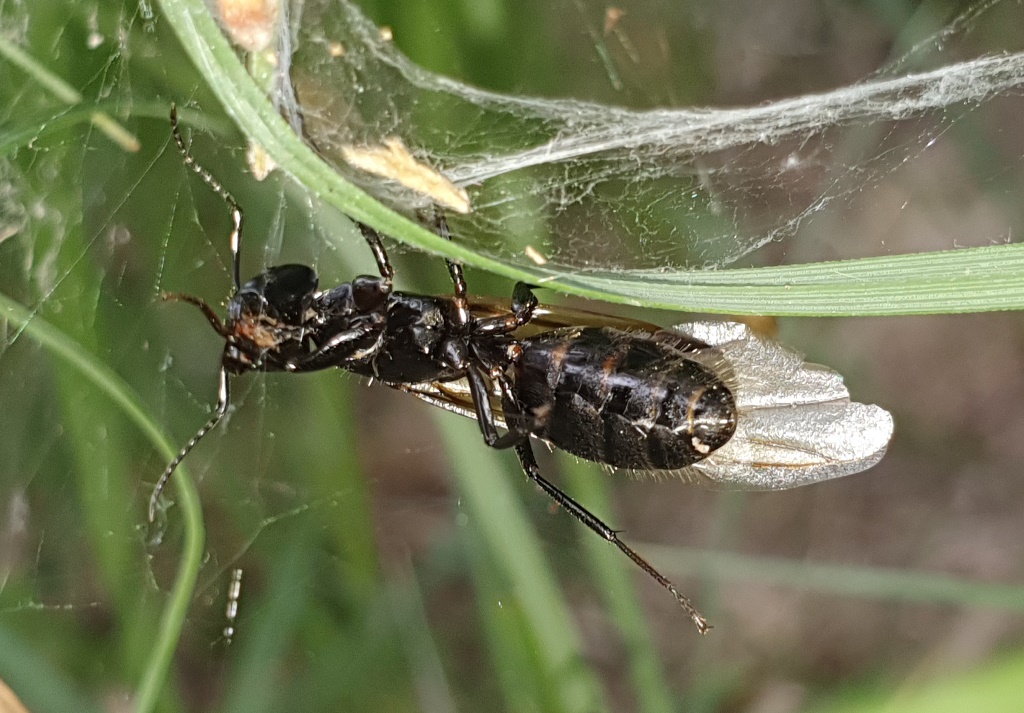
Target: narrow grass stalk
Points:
(66, 93)
(838, 579)
(512, 544)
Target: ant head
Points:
(344, 325)
(268, 317)
(281, 294)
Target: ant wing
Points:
(796, 424)
(452, 396)
(550, 317)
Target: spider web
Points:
(592, 185)
(90, 235)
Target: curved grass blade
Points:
(173, 618)
(968, 280)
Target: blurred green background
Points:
(390, 561)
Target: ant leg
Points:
(223, 399)
(324, 357)
(214, 184)
(519, 428)
(481, 392)
(529, 462)
(206, 309)
(454, 268)
(524, 304)
(460, 297)
(387, 271)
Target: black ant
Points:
(641, 398)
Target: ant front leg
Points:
(336, 350)
(384, 266)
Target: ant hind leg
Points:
(529, 462)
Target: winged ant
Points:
(709, 402)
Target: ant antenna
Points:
(223, 399)
(214, 184)
(223, 392)
(206, 309)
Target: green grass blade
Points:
(66, 93)
(851, 581)
(973, 279)
(254, 687)
(40, 687)
(614, 579)
(491, 502)
(43, 76)
(952, 281)
(995, 688)
(172, 621)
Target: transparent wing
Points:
(548, 317)
(452, 396)
(796, 422)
